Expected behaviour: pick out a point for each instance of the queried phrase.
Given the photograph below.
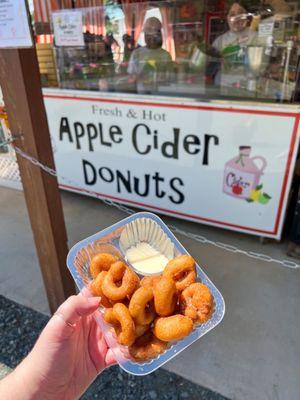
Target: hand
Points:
(67, 357)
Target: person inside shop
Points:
(128, 46)
(231, 46)
(108, 63)
(111, 45)
(69, 354)
(199, 52)
(150, 65)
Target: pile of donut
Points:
(149, 313)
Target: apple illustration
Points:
(237, 189)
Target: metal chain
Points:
(193, 236)
(7, 142)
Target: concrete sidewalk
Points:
(253, 354)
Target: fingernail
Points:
(94, 300)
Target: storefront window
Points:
(212, 49)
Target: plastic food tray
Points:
(107, 240)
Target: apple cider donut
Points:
(96, 288)
(120, 318)
(140, 330)
(120, 282)
(147, 347)
(165, 296)
(101, 262)
(141, 305)
(172, 328)
(197, 302)
(182, 270)
(150, 280)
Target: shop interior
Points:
(215, 49)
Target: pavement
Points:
(253, 354)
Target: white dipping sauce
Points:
(146, 259)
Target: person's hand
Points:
(68, 355)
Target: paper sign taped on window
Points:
(266, 29)
(67, 27)
(14, 26)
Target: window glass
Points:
(214, 49)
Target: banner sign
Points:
(218, 165)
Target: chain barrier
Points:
(7, 142)
(198, 238)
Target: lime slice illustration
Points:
(264, 198)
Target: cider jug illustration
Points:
(242, 173)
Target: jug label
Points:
(237, 183)
(242, 177)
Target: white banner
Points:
(223, 166)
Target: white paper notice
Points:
(68, 28)
(14, 27)
(266, 29)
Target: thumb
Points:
(76, 307)
(63, 322)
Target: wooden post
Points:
(21, 86)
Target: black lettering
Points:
(155, 139)
(79, 132)
(158, 179)
(92, 134)
(125, 181)
(173, 145)
(137, 184)
(191, 140)
(180, 194)
(64, 127)
(102, 141)
(103, 171)
(91, 178)
(206, 146)
(134, 138)
(114, 131)
(147, 114)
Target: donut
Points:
(182, 270)
(147, 347)
(165, 297)
(150, 280)
(119, 282)
(120, 318)
(197, 302)
(96, 288)
(141, 329)
(141, 305)
(172, 328)
(101, 262)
